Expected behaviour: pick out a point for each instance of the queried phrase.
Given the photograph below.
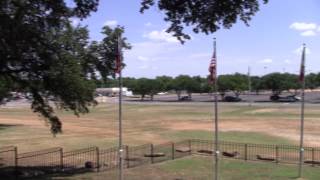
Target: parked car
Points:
(290, 98)
(232, 99)
(184, 98)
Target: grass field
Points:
(158, 123)
(263, 123)
(201, 168)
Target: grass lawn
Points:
(158, 123)
(163, 122)
(201, 168)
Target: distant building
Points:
(113, 91)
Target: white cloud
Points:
(144, 67)
(298, 51)
(319, 28)
(147, 67)
(148, 24)
(287, 61)
(201, 56)
(142, 58)
(266, 61)
(308, 33)
(161, 36)
(301, 26)
(111, 23)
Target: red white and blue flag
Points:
(213, 66)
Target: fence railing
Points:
(258, 152)
(8, 156)
(96, 159)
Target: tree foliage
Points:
(44, 56)
(184, 83)
(277, 82)
(233, 82)
(145, 86)
(312, 80)
(205, 16)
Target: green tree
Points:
(223, 85)
(42, 54)
(312, 81)
(102, 54)
(205, 16)
(277, 82)
(165, 82)
(233, 82)
(256, 84)
(184, 83)
(145, 86)
(129, 82)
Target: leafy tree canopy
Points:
(278, 82)
(205, 16)
(46, 58)
(233, 82)
(145, 86)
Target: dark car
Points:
(232, 99)
(184, 98)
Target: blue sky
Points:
(271, 42)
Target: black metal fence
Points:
(108, 158)
(258, 152)
(8, 156)
(81, 158)
(96, 159)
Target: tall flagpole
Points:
(302, 80)
(249, 85)
(120, 177)
(216, 134)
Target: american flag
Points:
(213, 66)
(118, 62)
(302, 67)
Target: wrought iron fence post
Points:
(127, 156)
(277, 154)
(61, 158)
(15, 162)
(151, 153)
(313, 157)
(190, 146)
(15, 156)
(98, 158)
(246, 152)
(172, 150)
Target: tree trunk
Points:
(142, 97)
(151, 97)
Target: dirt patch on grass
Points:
(267, 110)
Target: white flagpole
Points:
(216, 134)
(120, 112)
(302, 74)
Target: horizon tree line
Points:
(236, 83)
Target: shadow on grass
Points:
(7, 126)
(10, 173)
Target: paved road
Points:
(310, 97)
